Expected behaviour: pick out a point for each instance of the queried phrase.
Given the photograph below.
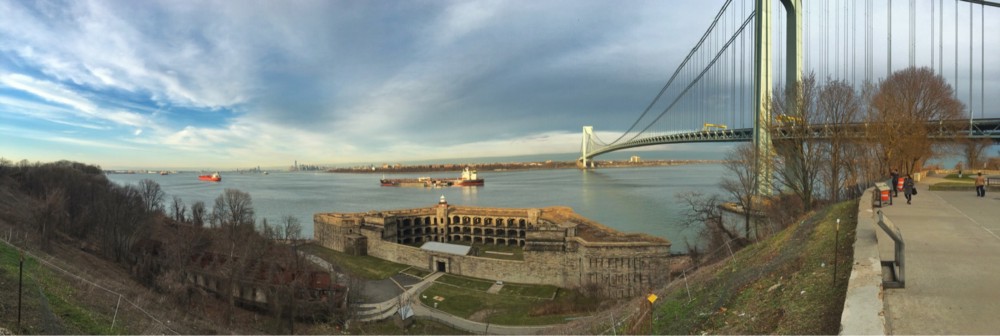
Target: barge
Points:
(469, 178)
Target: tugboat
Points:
(211, 178)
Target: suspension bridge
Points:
(721, 91)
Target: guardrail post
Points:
(897, 266)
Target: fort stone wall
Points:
(616, 264)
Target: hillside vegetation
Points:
(783, 284)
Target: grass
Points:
(965, 177)
(952, 186)
(782, 285)
(465, 282)
(505, 252)
(367, 267)
(492, 308)
(419, 327)
(70, 310)
(515, 304)
(536, 291)
(417, 272)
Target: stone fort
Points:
(559, 247)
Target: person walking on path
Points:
(908, 188)
(980, 185)
(894, 182)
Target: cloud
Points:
(231, 82)
(48, 91)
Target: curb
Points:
(863, 306)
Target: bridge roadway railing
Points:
(941, 131)
(731, 135)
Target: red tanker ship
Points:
(212, 178)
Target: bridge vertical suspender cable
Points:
(888, 67)
(913, 33)
(971, 109)
(940, 39)
(677, 71)
(700, 74)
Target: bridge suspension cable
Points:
(706, 89)
(701, 74)
(678, 70)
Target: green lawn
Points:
(506, 310)
(367, 267)
(72, 312)
(537, 291)
(419, 327)
(503, 252)
(465, 282)
(965, 177)
(417, 272)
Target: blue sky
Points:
(225, 84)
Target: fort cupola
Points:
(443, 202)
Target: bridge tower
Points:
(764, 84)
(588, 133)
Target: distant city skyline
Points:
(238, 84)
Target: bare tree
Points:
(290, 228)
(246, 251)
(838, 105)
(902, 106)
(704, 213)
(179, 209)
(268, 231)
(798, 157)
(50, 215)
(233, 211)
(741, 182)
(123, 219)
(198, 214)
(974, 151)
(152, 195)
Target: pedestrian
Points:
(980, 185)
(894, 182)
(908, 188)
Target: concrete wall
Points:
(863, 309)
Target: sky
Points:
(237, 84)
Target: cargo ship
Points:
(213, 178)
(469, 178)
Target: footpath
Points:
(952, 263)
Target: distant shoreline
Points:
(513, 166)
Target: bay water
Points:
(627, 199)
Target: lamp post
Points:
(836, 251)
(20, 279)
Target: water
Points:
(627, 199)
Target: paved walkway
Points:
(952, 263)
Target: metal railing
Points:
(897, 266)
